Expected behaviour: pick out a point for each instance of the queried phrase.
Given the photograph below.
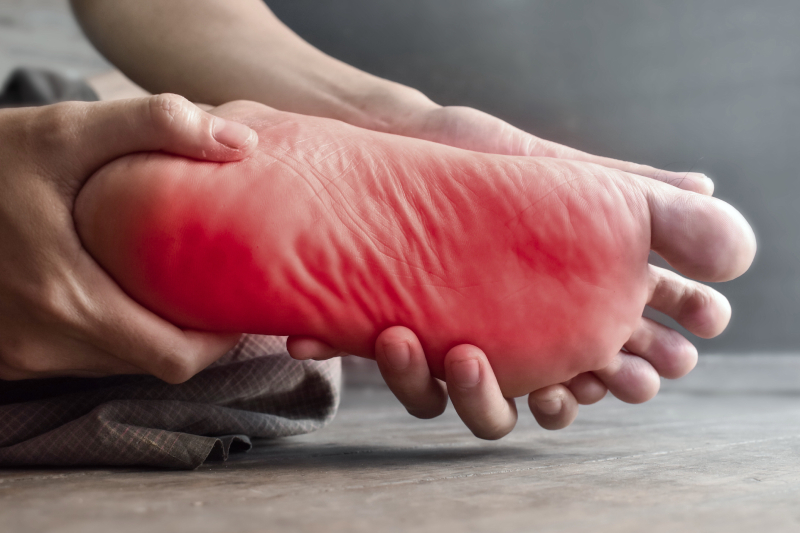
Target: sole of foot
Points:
(335, 232)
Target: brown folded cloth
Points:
(255, 391)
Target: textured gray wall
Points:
(709, 85)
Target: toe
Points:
(688, 181)
(587, 388)
(553, 407)
(697, 307)
(669, 353)
(630, 378)
(701, 236)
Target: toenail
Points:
(465, 373)
(549, 407)
(398, 356)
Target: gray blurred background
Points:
(703, 85)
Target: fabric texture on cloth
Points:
(255, 390)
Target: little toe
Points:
(587, 388)
(669, 352)
(630, 378)
(701, 236)
(697, 307)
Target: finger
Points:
(304, 348)
(702, 237)
(587, 388)
(118, 325)
(404, 368)
(697, 307)
(630, 378)
(476, 395)
(167, 122)
(553, 407)
(669, 352)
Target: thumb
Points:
(104, 131)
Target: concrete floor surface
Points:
(718, 451)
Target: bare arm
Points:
(215, 51)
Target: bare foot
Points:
(334, 232)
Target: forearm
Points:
(215, 51)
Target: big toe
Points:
(702, 237)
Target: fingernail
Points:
(465, 373)
(231, 134)
(398, 356)
(550, 407)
